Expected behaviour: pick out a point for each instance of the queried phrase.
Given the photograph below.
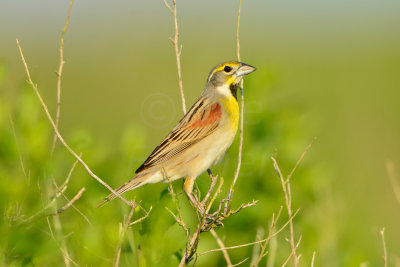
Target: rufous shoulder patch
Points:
(208, 116)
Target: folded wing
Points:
(199, 122)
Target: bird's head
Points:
(226, 76)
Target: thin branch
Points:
(77, 210)
(384, 247)
(69, 174)
(58, 230)
(122, 236)
(288, 202)
(57, 194)
(222, 245)
(313, 259)
(34, 87)
(59, 74)
(70, 203)
(178, 51)
(237, 31)
(63, 187)
(293, 253)
(271, 232)
(255, 242)
(240, 262)
(288, 197)
(147, 213)
(239, 164)
(301, 158)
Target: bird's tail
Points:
(133, 183)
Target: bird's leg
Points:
(188, 188)
(212, 177)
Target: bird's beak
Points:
(244, 69)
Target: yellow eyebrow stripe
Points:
(222, 66)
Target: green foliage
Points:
(27, 173)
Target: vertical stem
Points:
(59, 74)
(231, 190)
(384, 248)
(222, 246)
(178, 51)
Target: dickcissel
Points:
(201, 137)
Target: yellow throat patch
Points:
(232, 108)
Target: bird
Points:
(201, 137)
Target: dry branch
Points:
(178, 51)
(59, 74)
(46, 110)
(255, 242)
(271, 232)
(122, 232)
(239, 164)
(313, 259)
(288, 199)
(222, 246)
(58, 230)
(70, 203)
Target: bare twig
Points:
(70, 203)
(222, 245)
(175, 200)
(271, 232)
(288, 198)
(77, 210)
(393, 180)
(60, 191)
(255, 242)
(384, 247)
(59, 74)
(147, 213)
(178, 50)
(240, 262)
(237, 31)
(300, 159)
(58, 230)
(313, 259)
(293, 253)
(239, 164)
(288, 202)
(46, 110)
(64, 185)
(57, 194)
(122, 233)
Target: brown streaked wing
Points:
(200, 121)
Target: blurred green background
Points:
(326, 69)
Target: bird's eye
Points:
(227, 69)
